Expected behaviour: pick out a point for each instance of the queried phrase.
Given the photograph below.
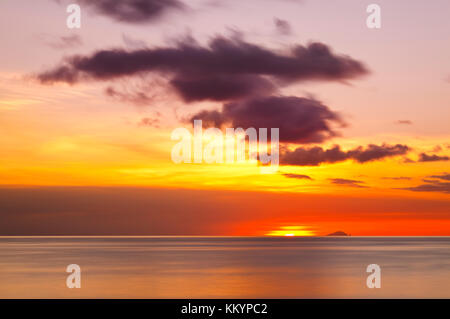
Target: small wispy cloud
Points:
(444, 176)
(431, 186)
(423, 157)
(298, 176)
(137, 97)
(404, 122)
(282, 26)
(62, 42)
(150, 122)
(348, 182)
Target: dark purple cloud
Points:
(132, 11)
(347, 182)
(300, 120)
(313, 156)
(375, 152)
(317, 155)
(423, 157)
(226, 69)
(297, 176)
(221, 87)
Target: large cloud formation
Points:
(244, 76)
(132, 11)
(317, 155)
(301, 120)
(226, 69)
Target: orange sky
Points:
(65, 135)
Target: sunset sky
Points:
(86, 117)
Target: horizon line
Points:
(209, 236)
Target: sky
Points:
(86, 117)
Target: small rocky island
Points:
(338, 233)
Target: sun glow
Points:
(292, 231)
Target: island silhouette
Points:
(339, 233)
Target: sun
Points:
(292, 231)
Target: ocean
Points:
(225, 267)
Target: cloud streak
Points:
(137, 97)
(444, 176)
(423, 157)
(297, 176)
(431, 186)
(62, 42)
(317, 155)
(347, 182)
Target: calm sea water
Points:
(225, 267)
